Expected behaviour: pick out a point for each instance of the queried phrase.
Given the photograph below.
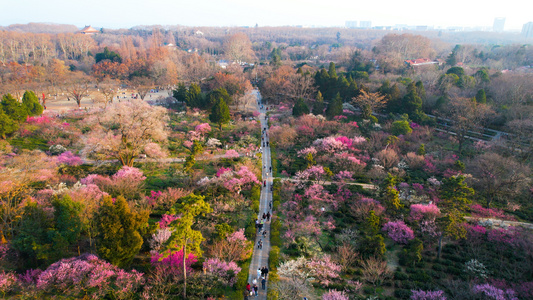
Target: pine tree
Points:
(31, 102)
(7, 126)
(411, 101)
(194, 96)
(300, 108)
(14, 109)
(220, 113)
(118, 239)
(184, 237)
(334, 107)
(481, 97)
(318, 107)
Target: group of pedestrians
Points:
(253, 289)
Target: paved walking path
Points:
(260, 256)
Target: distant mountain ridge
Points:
(41, 28)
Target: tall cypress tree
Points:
(318, 107)
(300, 108)
(481, 97)
(334, 107)
(220, 113)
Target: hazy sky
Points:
(128, 13)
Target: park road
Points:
(260, 255)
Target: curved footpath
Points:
(260, 256)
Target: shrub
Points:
(401, 127)
(273, 258)
(400, 275)
(242, 277)
(402, 294)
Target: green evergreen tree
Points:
(481, 97)
(31, 102)
(185, 237)
(412, 254)
(67, 226)
(332, 72)
(300, 108)
(455, 193)
(421, 150)
(14, 109)
(118, 239)
(7, 126)
(194, 96)
(334, 107)
(353, 90)
(372, 246)
(411, 101)
(216, 94)
(322, 80)
(391, 196)
(31, 237)
(420, 90)
(318, 107)
(181, 93)
(401, 127)
(220, 113)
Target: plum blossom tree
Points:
(235, 247)
(427, 295)
(226, 272)
(125, 129)
(335, 295)
(399, 232)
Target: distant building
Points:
(422, 62)
(421, 28)
(88, 30)
(499, 24)
(351, 24)
(199, 33)
(527, 30)
(365, 24)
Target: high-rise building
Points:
(365, 24)
(527, 30)
(351, 24)
(499, 24)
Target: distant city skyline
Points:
(126, 14)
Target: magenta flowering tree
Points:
(172, 262)
(166, 220)
(491, 292)
(427, 295)
(86, 274)
(399, 232)
(69, 159)
(231, 154)
(344, 175)
(335, 295)
(225, 272)
(222, 171)
(503, 237)
(203, 128)
(128, 182)
(424, 212)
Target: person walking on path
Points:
(256, 290)
(266, 271)
(248, 288)
(263, 283)
(258, 274)
(268, 216)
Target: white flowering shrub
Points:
(477, 269)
